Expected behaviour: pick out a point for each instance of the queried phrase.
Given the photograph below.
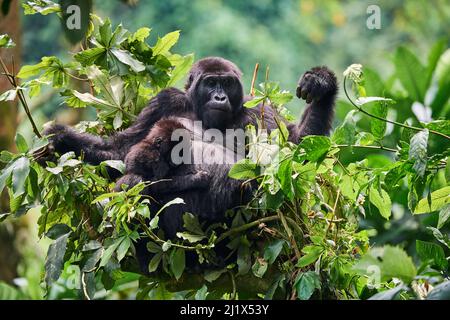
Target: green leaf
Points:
(90, 56)
(391, 262)
(444, 216)
(8, 292)
(442, 126)
(243, 169)
(54, 262)
(315, 147)
(440, 292)
(364, 100)
(311, 254)
(181, 70)
(19, 175)
(390, 294)
(21, 143)
(126, 58)
(411, 73)
(177, 262)
(306, 283)
(272, 251)
(439, 199)
(381, 201)
(428, 251)
(6, 41)
(154, 262)
(43, 7)
(164, 44)
(115, 164)
(201, 293)
(378, 127)
(254, 102)
(346, 132)
(418, 151)
(140, 35)
(192, 238)
(32, 70)
(170, 203)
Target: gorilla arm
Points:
(319, 88)
(95, 149)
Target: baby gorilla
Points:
(206, 189)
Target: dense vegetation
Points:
(307, 233)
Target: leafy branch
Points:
(13, 81)
(387, 120)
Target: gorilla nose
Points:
(220, 98)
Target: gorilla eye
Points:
(227, 82)
(210, 82)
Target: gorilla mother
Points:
(214, 95)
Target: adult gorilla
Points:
(214, 94)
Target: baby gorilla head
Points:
(151, 158)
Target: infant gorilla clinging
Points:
(203, 185)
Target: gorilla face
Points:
(218, 97)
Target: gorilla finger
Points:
(298, 92)
(309, 98)
(304, 94)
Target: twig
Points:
(12, 80)
(387, 120)
(255, 73)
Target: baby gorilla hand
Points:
(317, 84)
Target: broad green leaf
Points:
(381, 201)
(21, 143)
(311, 254)
(154, 262)
(115, 164)
(254, 102)
(201, 293)
(181, 70)
(315, 147)
(306, 283)
(391, 262)
(19, 175)
(140, 35)
(54, 262)
(273, 250)
(346, 132)
(440, 292)
(164, 44)
(444, 216)
(243, 169)
(177, 262)
(411, 73)
(378, 127)
(390, 294)
(126, 58)
(439, 199)
(8, 292)
(428, 251)
(32, 70)
(90, 56)
(418, 151)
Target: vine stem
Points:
(366, 147)
(387, 120)
(12, 80)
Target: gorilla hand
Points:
(317, 84)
